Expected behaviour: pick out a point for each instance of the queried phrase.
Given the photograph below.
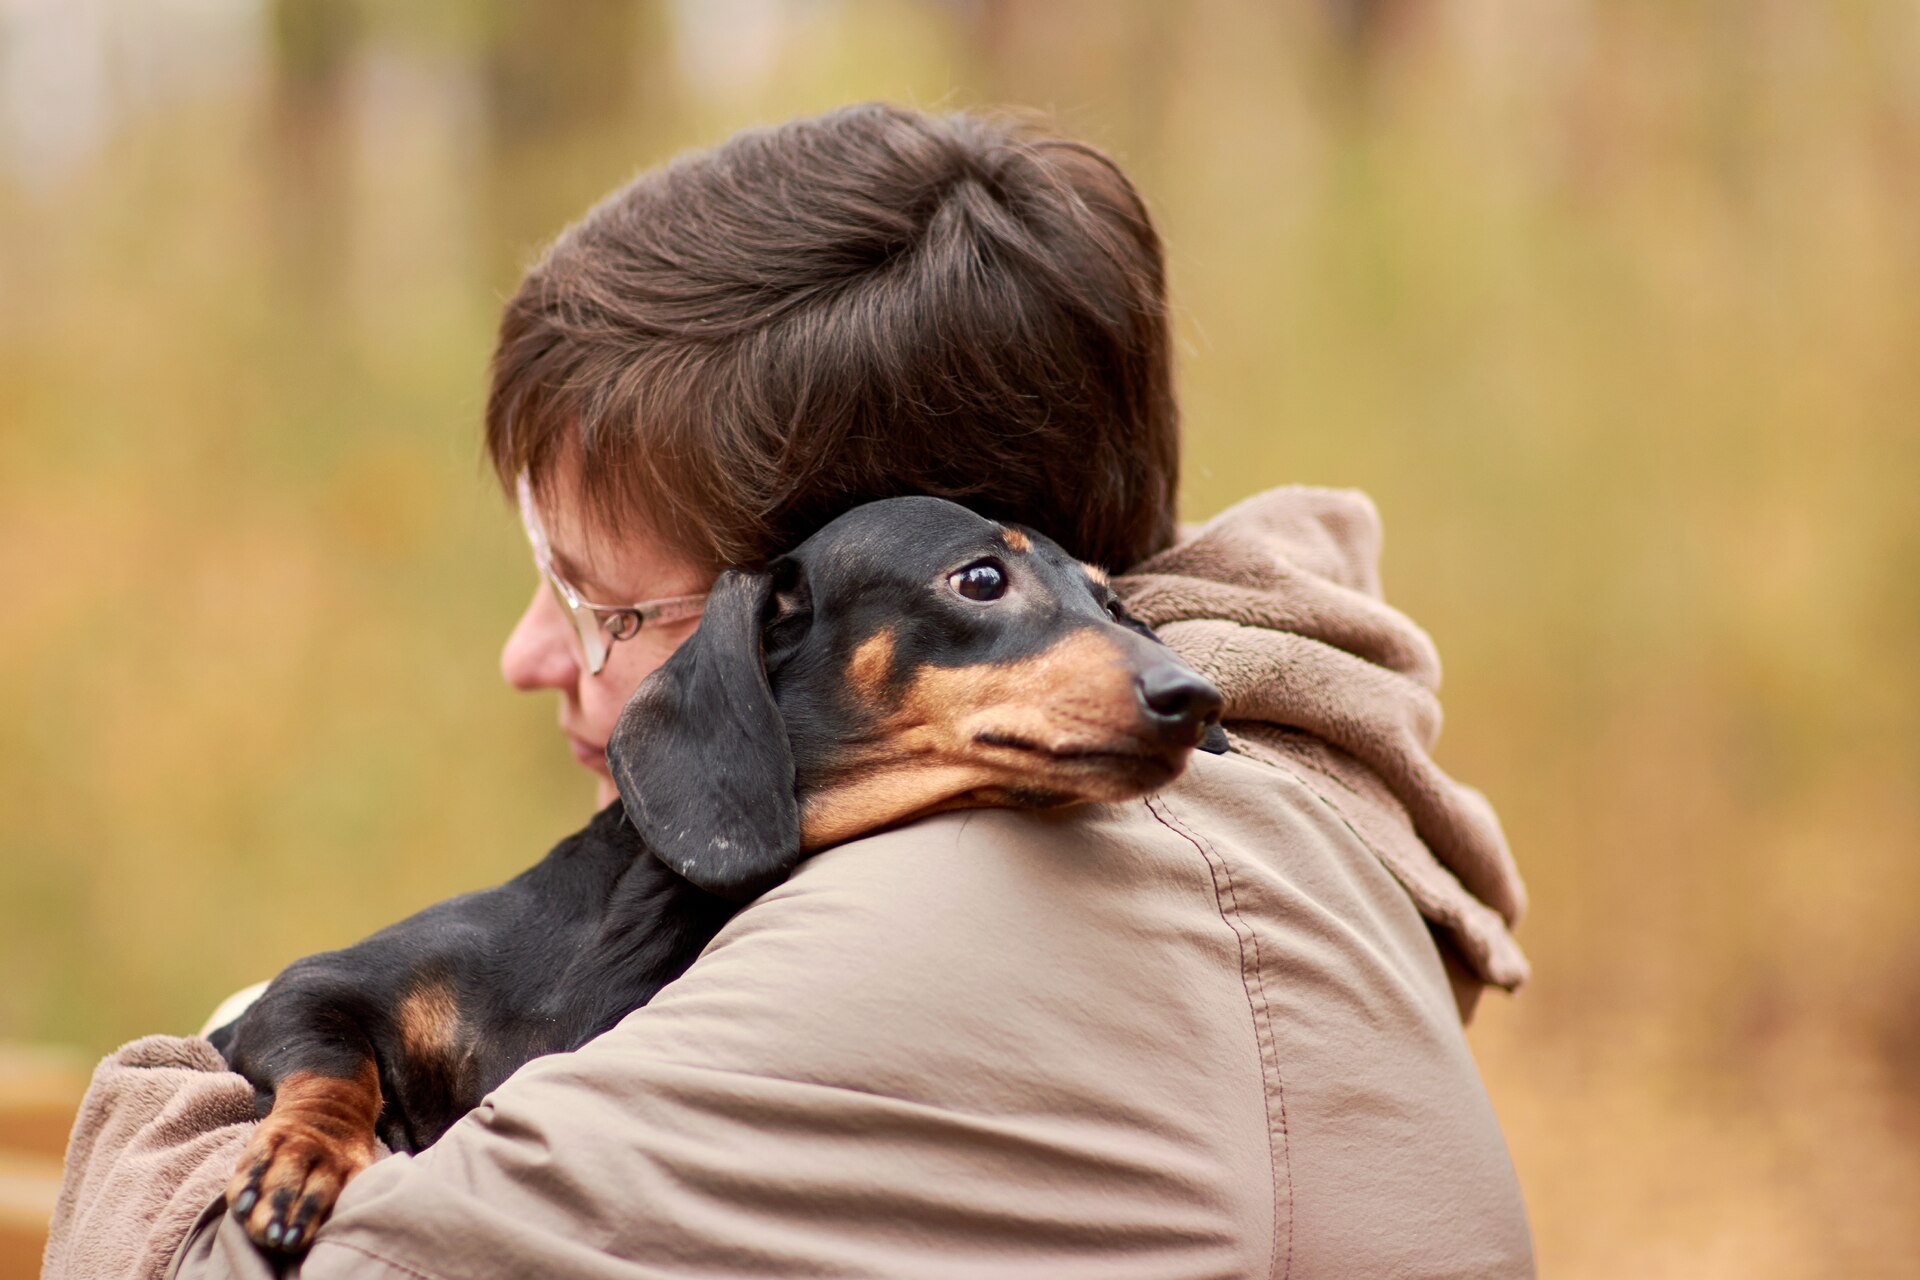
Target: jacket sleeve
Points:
(157, 1135)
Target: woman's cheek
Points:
(603, 697)
(601, 708)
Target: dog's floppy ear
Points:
(701, 755)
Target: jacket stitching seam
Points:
(1264, 1042)
(1433, 903)
(1293, 765)
(381, 1258)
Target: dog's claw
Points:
(287, 1183)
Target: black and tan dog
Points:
(911, 657)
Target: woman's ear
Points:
(701, 754)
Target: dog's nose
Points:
(1177, 698)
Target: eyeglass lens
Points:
(586, 625)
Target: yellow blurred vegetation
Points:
(1613, 308)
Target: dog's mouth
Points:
(995, 767)
(1141, 763)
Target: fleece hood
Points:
(1277, 601)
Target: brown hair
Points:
(865, 304)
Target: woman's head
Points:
(733, 349)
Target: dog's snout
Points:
(1176, 698)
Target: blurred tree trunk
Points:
(1365, 28)
(572, 90)
(1367, 36)
(1039, 53)
(311, 46)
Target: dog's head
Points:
(910, 657)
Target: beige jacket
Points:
(1204, 1034)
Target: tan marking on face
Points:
(318, 1136)
(1095, 572)
(430, 1022)
(925, 754)
(872, 665)
(1016, 540)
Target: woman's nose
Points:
(540, 652)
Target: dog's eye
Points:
(1117, 611)
(981, 580)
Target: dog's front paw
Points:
(298, 1161)
(288, 1179)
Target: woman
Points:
(1214, 1032)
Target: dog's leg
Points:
(307, 1046)
(319, 1134)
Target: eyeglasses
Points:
(599, 626)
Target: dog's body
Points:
(449, 1002)
(910, 657)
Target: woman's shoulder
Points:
(1176, 890)
(1225, 970)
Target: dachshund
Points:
(911, 657)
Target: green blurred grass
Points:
(1612, 309)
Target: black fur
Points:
(540, 964)
(701, 753)
(715, 756)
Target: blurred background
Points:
(1613, 308)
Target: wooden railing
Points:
(40, 1090)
